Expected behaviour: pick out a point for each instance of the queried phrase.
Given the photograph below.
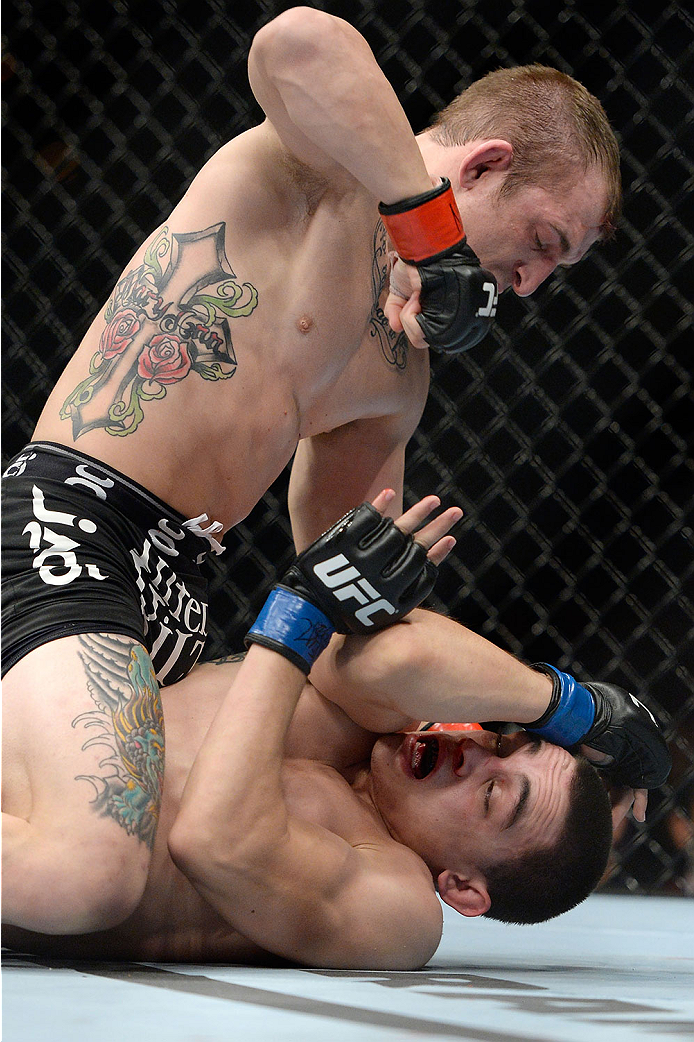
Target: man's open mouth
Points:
(425, 754)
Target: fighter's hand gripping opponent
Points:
(609, 719)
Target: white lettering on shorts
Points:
(175, 621)
(95, 482)
(346, 582)
(195, 526)
(19, 465)
(57, 562)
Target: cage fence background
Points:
(566, 436)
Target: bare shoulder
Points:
(400, 913)
(244, 181)
(255, 179)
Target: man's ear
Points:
(494, 156)
(464, 891)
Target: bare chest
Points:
(174, 923)
(219, 349)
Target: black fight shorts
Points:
(88, 550)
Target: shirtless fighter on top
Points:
(261, 321)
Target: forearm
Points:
(428, 668)
(321, 73)
(332, 472)
(233, 798)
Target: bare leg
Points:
(83, 761)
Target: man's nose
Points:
(476, 750)
(528, 276)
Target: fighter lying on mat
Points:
(299, 821)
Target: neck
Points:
(361, 782)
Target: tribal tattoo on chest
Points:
(393, 345)
(165, 321)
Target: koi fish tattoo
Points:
(128, 723)
(161, 326)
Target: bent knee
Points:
(75, 889)
(107, 897)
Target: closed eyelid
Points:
(563, 247)
(564, 243)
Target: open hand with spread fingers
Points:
(366, 572)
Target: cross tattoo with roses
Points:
(160, 326)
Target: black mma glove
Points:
(359, 576)
(607, 718)
(458, 296)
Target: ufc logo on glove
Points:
(338, 570)
(360, 575)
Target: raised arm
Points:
(430, 667)
(329, 103)
(293, 887)
(321, 89)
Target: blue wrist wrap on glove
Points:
(574, 715)
(301, 628)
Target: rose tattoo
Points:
(162, 323)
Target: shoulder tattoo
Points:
(165, 321)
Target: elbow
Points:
(196, 841)
(198, 852)
(295, 37)
(385, 670)
(189, 845)
(200, 847)
(195, 845)
(407, 648)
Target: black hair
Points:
(537, 885)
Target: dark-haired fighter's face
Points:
(471, 798)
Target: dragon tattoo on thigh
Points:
(128, 723)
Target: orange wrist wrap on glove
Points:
(424, 226)
(451, 727)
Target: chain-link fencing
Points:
(566, 436)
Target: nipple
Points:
(305, 323)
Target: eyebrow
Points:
(521, 804)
